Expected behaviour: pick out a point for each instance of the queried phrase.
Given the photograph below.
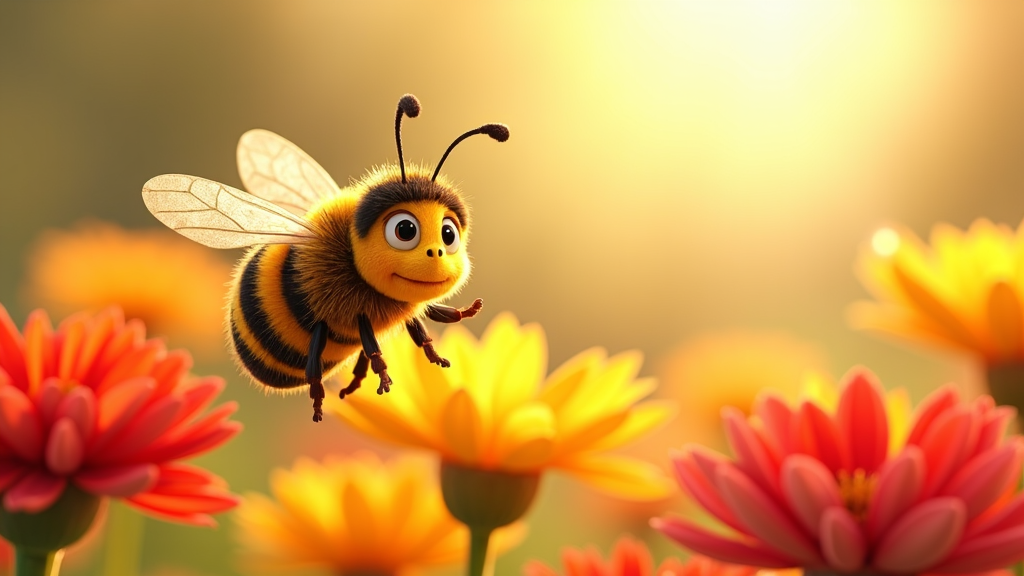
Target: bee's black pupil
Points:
(448, 234)
(405, 230)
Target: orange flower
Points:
(97, 406)
(632, 558)
(175, 286)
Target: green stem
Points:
(28, 562)
(478, 540)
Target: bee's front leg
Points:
(449, 315)
(419, 334)
(315, 369)
(372, 351)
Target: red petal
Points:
(100, 333)
(171, 370)
(65, 448)
(34, 492)
(815, 433)
(936, 403)
(117, 407)
(750, 552)
(19, 424)
(863, 422)
(121, 481)
(12, 350)
(40, 357)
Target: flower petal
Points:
(863, 422)
(65, 448)
(696, 471)
(842, 543)
(751, 456)
(79, 406)
(922, 537)
(899, 483)
(810, 489)
(763, 517)
(930, 408)
(462, 426)
(749, 552)
(19, 424)
(120, 481)
(34, 492)
(1005, 318)
(816, 434)
(620, 475)
(984, 478)
(992, 552)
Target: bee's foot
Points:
(385, 382)
(433, 357)
(472, 309)
(318, 410)
(356, 382)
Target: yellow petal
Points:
(462, 427)
(1005, 318)
(642, 418)
(526, 423)
(375, 420)
(564, 383)
(521, 372)
(530, 455)
(621, 476)
(586, 434)
(933, 309)
(359, 517)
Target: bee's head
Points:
(410, 231)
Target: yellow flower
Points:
(175, 286)
(353, 515)
(490, 411)
(713, 371)
(963, 291)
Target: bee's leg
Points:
(449, 315)
(315, 369)
(358, 373)
(372, 351)
(419, 335)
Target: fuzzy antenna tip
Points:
(410, 105)
(497, 131)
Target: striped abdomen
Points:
(271, 322)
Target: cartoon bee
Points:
(328, 268)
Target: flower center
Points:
(856, 490)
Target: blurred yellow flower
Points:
(713, 371)
(490, 411)
(351, 516)
(175, 286)
(963, 291)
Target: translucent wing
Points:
(218, 215)
(278, 171)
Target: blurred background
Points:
(676, 170)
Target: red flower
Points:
(826, 492)
(96, 404)
(632, 558)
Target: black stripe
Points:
(295, 298)
(258, 369)
(258, 322)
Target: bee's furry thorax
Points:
(383, 188)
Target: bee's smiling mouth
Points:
(422, 282)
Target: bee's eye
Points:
(450, 236)
(402, 231)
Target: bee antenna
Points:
(497, 131)
(409, 106)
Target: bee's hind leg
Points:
(372, 351)
(358, 373)
(315, 369)
(419, 334)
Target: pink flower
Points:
(821, 491)
(96, 405)
(631, 557)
